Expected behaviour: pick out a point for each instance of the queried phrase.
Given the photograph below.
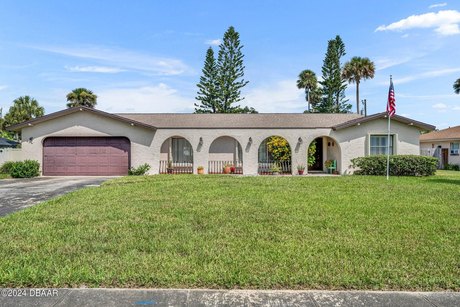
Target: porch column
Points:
(201, 153)
(299, 154)
(250, 156)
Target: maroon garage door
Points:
(86, 156)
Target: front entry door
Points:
(318, 166)
(445, 157)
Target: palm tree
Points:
(81, 97)
(24, 108)
(358, 69)
(457, 86)
(308, 81)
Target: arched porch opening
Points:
(323, 155)
(274, 156)
(225, 155)
(176, 156)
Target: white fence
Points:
(10, 154)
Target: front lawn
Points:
(4, 176)
(186, 231)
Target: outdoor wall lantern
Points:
(250, 140)
(31, 139)
(300, 140)
(201, 141)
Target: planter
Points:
(170, 170)
(227, 170)
(200, 171)
(300, 172)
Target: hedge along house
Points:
(84, 141)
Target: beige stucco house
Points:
(84, 141)
(443, 144)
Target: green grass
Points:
(270, 232)
(4, 176)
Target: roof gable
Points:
(68, 111)
(401, 119)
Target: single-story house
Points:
(443, 144)
(85, 141)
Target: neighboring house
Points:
(443, 144)
(5, 143)
(84, 141)
(8, 151)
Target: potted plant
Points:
(232, 169)
(227, 169)
(200, 170)
(328, 164)
(170, 168)
(300, 169)
(275, 169)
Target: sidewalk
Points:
(185, 297)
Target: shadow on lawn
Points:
(449, 181)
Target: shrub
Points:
(404, 165)
(25, 169)
(452, 167)
(140, 170)
(6, 167)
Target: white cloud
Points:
(122, 58)
(444, 22)
(283, 96)
(213, 42)
(440, 106)
(159, 98)
(95, 69)
(456, 108)
(426, 75)
(437, 5)
(387, 62)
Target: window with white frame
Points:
(454, 149)
(379, 144)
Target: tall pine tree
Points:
(208, 86)
(221, 83)
(333, 85)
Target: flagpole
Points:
(388, 141)
(388, 148)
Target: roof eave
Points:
(32, 122)
(408, 121)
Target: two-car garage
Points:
(86, 156)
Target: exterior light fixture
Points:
(250, 140)
(300, 140)
(31, 139)
(201, 141)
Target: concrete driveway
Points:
(18, 194)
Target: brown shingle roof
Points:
(251, 121)
(445, 134)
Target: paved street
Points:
(184, 297)
(18, 194)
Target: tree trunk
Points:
(357, 97)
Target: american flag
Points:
(391, 105)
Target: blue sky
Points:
(147, 56)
